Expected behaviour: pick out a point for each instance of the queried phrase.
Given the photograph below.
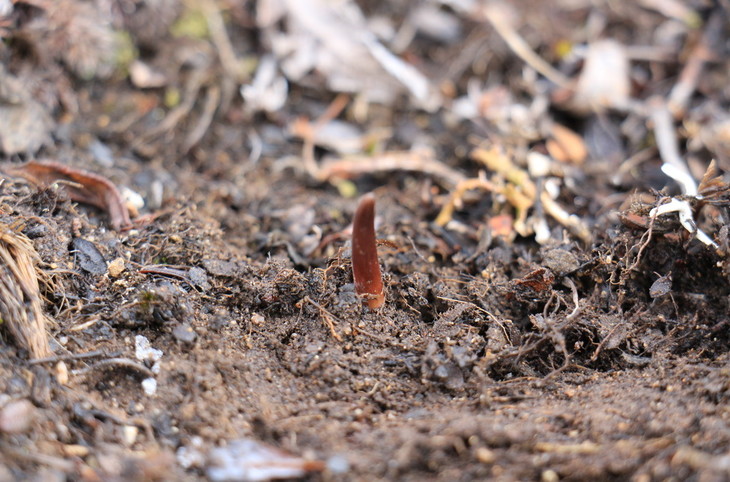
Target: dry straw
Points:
(21, 304)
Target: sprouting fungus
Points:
(365, 265)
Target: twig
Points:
(675, 9)
(67, 466)
(421, 160)
(169, 271)
(666, 139)
(490, 315)
(173, 118)
(520, 47)
(223, 45)
(645, 239)
(577, 309)
(605, 340)
(307, 131)
(212, 99)
(74, 356)
(326, 316)
(574, 224)
(494, 160)
(86, 324)
(118, 362)
(682, 91)
(447, 211)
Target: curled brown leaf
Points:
(81, 186)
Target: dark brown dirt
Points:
(479, 366)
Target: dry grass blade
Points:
(21, 309)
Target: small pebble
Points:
(17, 416)
(486, 456)
(149, 385)
(199, 277)
(88, 257)
(129, 434)
(191, 455)
(143, 351)
(116, 267)
(75, 450)
(184, 333)
(61, 373)
(549, 476)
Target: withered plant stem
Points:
(365, 265)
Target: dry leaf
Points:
(711, 180)
(81, 186)
(333, 39)
(269, 89)
(604, 82)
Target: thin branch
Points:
(519, 46)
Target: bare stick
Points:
(518, 45)
(421, 160)
(326, 316)
(222, 42)
(702, 52)
(666, 139)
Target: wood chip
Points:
(566, 145)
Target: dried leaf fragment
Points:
(566, 145)
(335, 40)
(87, 256)
(713, 187)
(604, 82)
(539, 280)
(248, 459)
(81, 186)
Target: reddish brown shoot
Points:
(365, 265)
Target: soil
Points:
(494, 356)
